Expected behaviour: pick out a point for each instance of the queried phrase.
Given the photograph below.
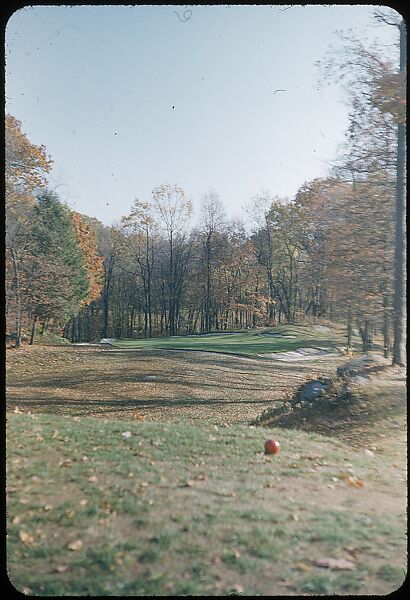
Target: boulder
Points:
(312, 390)
(361, 365)
(150, 378)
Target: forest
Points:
(335, 251)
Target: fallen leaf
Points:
(310, 456)
(75, 545)
(339, 564)
(137, 415)
(65, 463)
(352, 551)
(62, 568)
(303, 566)
(352, 480)
(26, 538)
(93, 479)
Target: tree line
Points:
(333, 251)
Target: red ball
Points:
(272, 446)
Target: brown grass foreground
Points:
(160, 384)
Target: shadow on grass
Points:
(349, 419)
(53, 404)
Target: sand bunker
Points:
(214, 333)
(299, 354)
(321, 328)
(279, 335)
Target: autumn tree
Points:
(276, 243)
(109, 244)
(26, 169)
(212, 219)
(139, 231)
(375, 155)
(86, 239)
(174, 211)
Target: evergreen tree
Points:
(56, 282)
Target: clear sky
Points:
(126, 98)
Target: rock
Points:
(359, 379)
(358, 366)
(312, 390)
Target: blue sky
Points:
(127, 98)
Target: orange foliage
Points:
(92, 260)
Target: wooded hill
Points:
(335, 251)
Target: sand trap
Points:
(279, 335)
(215, 333)
(321, 328)
(299, 354)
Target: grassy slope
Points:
(178, 509)
(246, 343)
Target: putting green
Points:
(245, 343)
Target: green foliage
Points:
(57, 279)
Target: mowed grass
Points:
(244, 343)
(176, 509)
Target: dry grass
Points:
(159, 384)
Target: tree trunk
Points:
(18, 297)
(386, 332)
(33, 330)
(349, 331)
(399, 352)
